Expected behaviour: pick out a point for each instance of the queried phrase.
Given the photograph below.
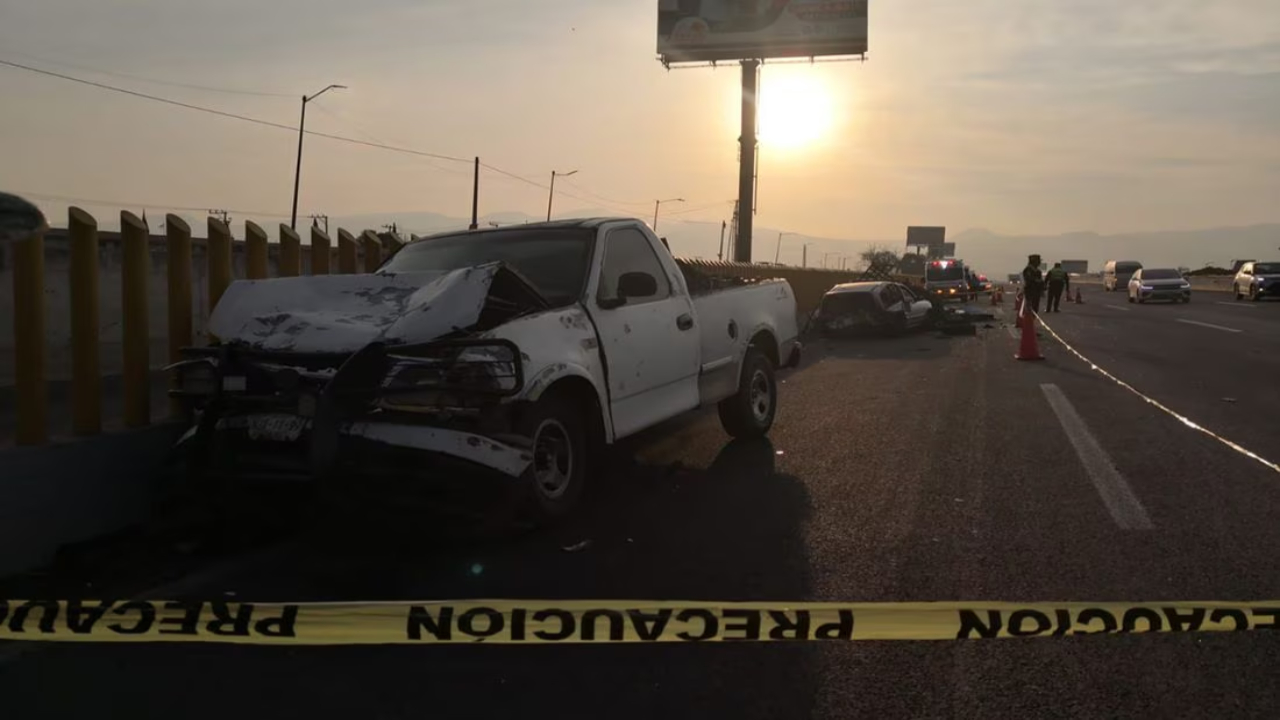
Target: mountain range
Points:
(988, 251)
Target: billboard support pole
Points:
(746, 162)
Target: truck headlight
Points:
(424, 373)
(196, 377)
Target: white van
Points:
(1117, 274)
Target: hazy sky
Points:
(1016, 115)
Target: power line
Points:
(233, 116)
(282, 126)
(139, 78)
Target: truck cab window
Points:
(628, 250)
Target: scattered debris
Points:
(576, 547)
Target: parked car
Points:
(1118, 273)
(1158, 284)
(521, 349)
(1257, 280)
(872, 306)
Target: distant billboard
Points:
(1076, 267)
(920, 236)
(938, 252)
(713, 30)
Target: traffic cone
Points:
(1029, 348)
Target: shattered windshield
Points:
(555, 261)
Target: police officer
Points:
(1058, 281)
(1033, 283)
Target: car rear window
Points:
(1266, 269)
(1127, 268)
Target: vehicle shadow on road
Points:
(919, 345)
(730, 531)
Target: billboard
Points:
(1076, 267)
(712, 30)
(939, 252)
(917, 236)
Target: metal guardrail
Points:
(136, 244)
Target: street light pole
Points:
(657, 204)
(297, 172)
(551, 196)
(778, 252)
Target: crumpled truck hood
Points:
(343, 313)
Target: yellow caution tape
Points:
(610, 621)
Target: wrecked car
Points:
(876, 307)
(521, 350)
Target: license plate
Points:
(276, 428)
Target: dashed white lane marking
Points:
(1124, 507)
(1236, 304)
(1209, 325)
(1158, 405)
(1117, 307)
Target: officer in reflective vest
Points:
(1033, 283)
(1058, 281)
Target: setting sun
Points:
(795, 111)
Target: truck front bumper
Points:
(286, 446)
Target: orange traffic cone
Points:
(1029, 348)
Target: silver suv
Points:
(1257, 280)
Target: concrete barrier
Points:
(55, 495)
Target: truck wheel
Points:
(557, 476)
(750, 412)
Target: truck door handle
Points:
(684, 322)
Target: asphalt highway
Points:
(909, 469)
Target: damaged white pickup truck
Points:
(522, 350)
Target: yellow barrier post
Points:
(29, 341)
(319, 251)
(135, 327)
(346, 253)
(180, 325)
(86, 376)
(255, 251)
(219, 259)
(372, 251)
(290, 252)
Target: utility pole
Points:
(723, 226)
(747, 161)
(804, 263)
(392, 228)
(316, 219)
(297, 173)
(475, 196)
(733, 233)
(552, 195)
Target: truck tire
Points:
(557, 477)
(750, 412)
